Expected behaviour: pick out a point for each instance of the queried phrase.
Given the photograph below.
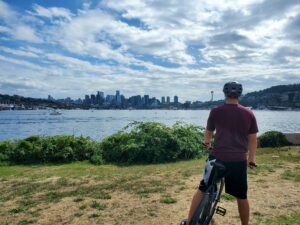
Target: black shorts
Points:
(235, 179)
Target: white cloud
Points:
(4, 29)
(5, 12)
(19, 52)
(211, 42)
(51, 12)
(22, 63)
(26, 33)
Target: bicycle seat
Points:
(219, 167)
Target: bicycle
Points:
(208, 205)
(215, 181)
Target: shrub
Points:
(189, 138)
(152, 142)
(139, 142)
(36, 149)
(6, 149)
(273, 139)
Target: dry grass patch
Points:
(153, 194)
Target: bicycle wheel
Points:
(208, 211)
(202, 211)
(214, 201)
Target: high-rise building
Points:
(50, 98)
(110, 98)
(146, 99)
(175, 100)
(118, 98)
(93, 99)
(163, 100)
(168, 99)
(101, 94)
(87, 99)
(100, 97)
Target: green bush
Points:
(139, 142)
(152, 142)
(6, 149)
(37, 149)
(273, 139)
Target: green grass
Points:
(96, 205)
(82, 207)
(167, 199)
(25, 222)
(227, 197)
(91, 186)
(292, 218)
(292, 174)
(93, 215)
(78, 199)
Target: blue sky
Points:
(161, 48)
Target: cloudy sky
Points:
(156, 47)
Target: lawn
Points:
(82, 193)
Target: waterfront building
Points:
(93, 99)
(176, 100)
(154, 102)
(110, 98)
(101, 94)
(87, 99)
(100, 97)
(146, 99)
(50, 98)
(118, 98)
(163, 100)
(168, 99)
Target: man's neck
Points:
(232, 101)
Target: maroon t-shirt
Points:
(233, 123)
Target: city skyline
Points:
(165, 48)
(100, 95)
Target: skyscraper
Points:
(118, 98)
(175, 100)
(93, 99)
(146, 97)
(100, 97)
(168, 99)
(101, 94)
(87, 100)
(163, 100)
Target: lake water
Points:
(100, 123)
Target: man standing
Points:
(236, 130)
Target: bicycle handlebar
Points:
(251, 165)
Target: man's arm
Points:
(252, 140)
(207, 137)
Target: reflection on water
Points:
(100, 123)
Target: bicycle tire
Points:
(208, 211)
(214, 202)
(201, 210)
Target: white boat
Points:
(55, 113)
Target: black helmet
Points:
(233, 89)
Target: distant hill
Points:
(276, 96)
(29, 102)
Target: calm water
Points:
(101, 123)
